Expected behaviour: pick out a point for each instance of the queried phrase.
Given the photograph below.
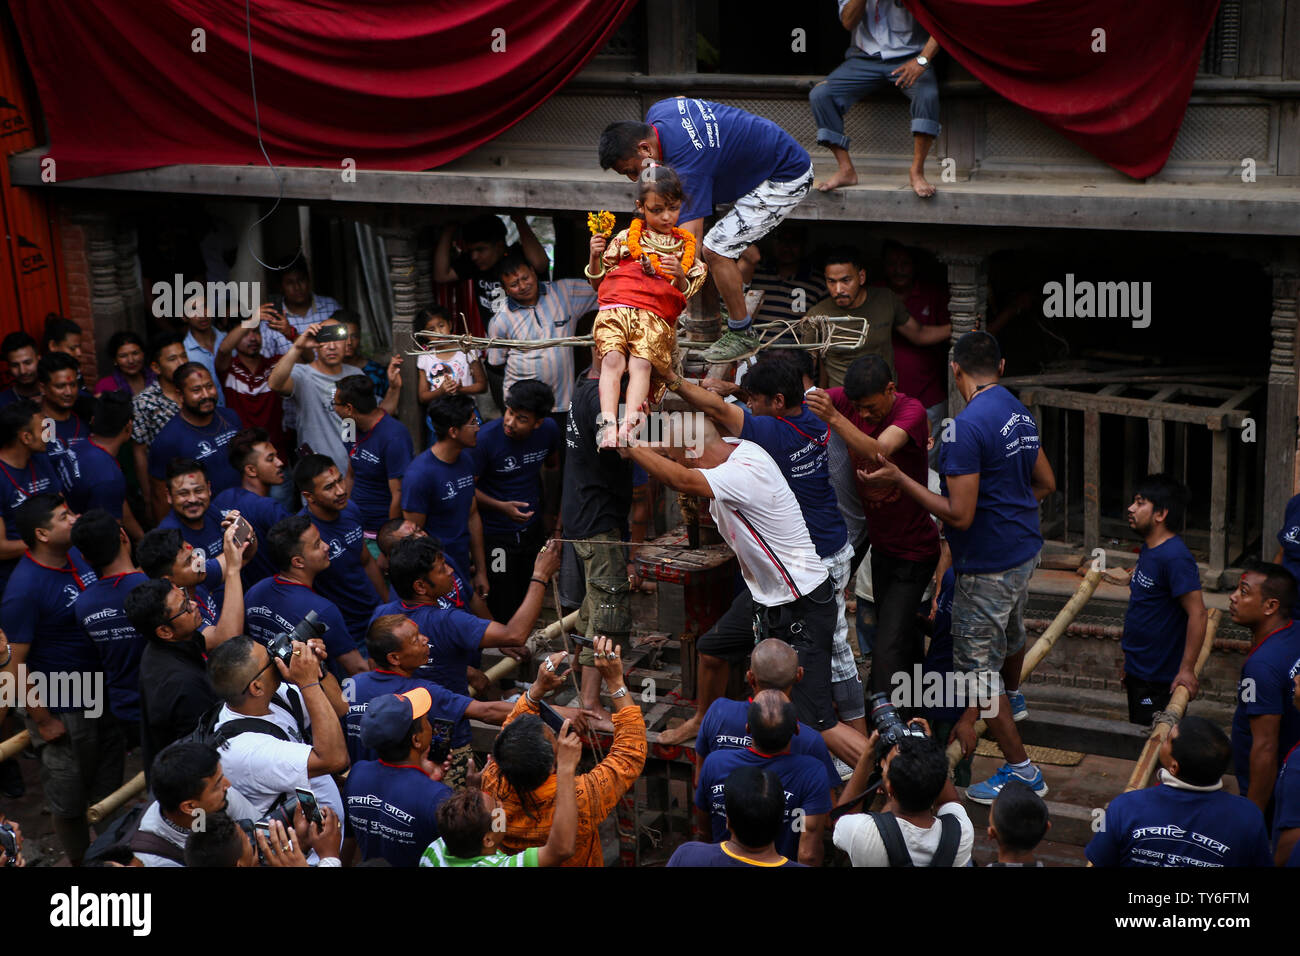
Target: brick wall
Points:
(78, 305)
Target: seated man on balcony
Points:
(722, 154)
(889, 46)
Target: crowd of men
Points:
(286, 606)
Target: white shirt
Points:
(856, 835)
(237, 808)
(759, 517)
(458, 363)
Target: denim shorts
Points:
(988, 617)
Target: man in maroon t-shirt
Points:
(245, 374)
(922, 370)
(874, 418)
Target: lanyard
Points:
(820, 441)
(356, 447)
(30, 481)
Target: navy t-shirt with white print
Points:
(803, 777)
(1289, 537)
(345, 582)
(392, 810)
(455, 638)
(1266, 687)
(206, 445)
(726, 727)
(16, 486)
(361, 689)
(262, 512)
(378, 456)
(208, 540)
(444, 494)
(798, 445)
(276, 605)
(93, 479)
(101, 610)
(1155, 625)
(996, 438)
(510, 470)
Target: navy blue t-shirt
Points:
(996, 438)
(1169, 826)
(207, 539)
(16, 486)
(70, 432)
(725, 727)
(712, 854)
(262, 513)
(1289, 537)
(345, 582)
(510, 470)
(798, 446)
(721, 152)
(276, 605)
(938, 656)
(361, 689)
(1266, 688)
(1286, 796)
(392, 810)
(93, 479)
(207, 445)
(377, 457)
(444, 494)
(100, 610)
(455, 637)
(38, 608)
(1155, 626)
(805, 784)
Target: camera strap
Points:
(891, 835)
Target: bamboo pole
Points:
(507, 665)
(128, 791)
(1045, 642)
(14, 745)
(1173, 712)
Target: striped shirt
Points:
(150, 411)
(559, 305)
(436, 855)
(785, 298)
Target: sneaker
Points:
(732, 347)
(843, 769)
(1019, 709)
(987, 791)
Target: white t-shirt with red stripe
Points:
(759, 517)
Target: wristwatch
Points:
(923, 60)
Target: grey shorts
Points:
(988, 619)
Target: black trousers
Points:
(896, 586)
(510, 568)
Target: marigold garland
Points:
(686, 238)
(601, 223)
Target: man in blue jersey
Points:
(57, 373)
(1186, 819)
(772, 725)
(277, 604)
(1265, 725)
(1164, 625)
(993, 475)
(722, 154)
(25, 470)
(353, 581)
(78, 742)
(754, 800)
(20, 354)
(438, 488)
(510, 455)
(201, 431)
(779, 422)
(260, 470)
(378, 454)
(1286, 801)
(189, 493)
(92, 474)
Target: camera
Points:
(892, 729)
(9, 844)
(309, 627)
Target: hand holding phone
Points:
(307, 800)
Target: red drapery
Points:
(390, 84)
(1124, 105)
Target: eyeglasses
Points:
(186, 608)
(270, 662)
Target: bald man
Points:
(773, 665)
(790, 594)
(772, 726)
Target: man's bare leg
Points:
(1011, 671)
(844, 175)
(845, 742)
(711, 684)
(589, 688)
(727, 277)
(921, 143)
(1002, 728)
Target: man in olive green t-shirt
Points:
(884, 311)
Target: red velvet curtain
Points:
(391, 84)
(1123, 105)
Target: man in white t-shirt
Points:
(923, 818)
(790, 595)
(304, 743)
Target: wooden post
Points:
(1148, 760)
(966, 274)
(1280, 442)
(1218, 501)
(1091, 480)
(400, 249)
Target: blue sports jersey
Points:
(1155, 625)
(511, 470)
(362, 688)
(726, 727)
(392, 810)
(100, 609)
(379, 456)
(206, 445)
(1169, 826)
(1266, 688)
(444, 494)
(345, 581)
(805, 784)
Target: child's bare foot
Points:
(607, 433)
(920, 185)
(682, 733)
(841, 177)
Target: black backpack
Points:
(892, 836)
(207, 732)
(122, 840)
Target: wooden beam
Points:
(1211, 418)
(1091, 479)
(1219, 500)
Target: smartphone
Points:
(332, 333)
(440, 746)
(304, 450)
(550, 716)
(584, 641)
(243, 531)
(307, 800)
